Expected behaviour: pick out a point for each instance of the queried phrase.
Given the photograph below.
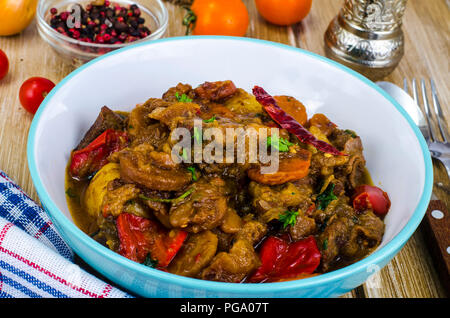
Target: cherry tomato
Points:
(33, 91)
(141, 238)
(281, 260)
(219, 17)
(283, 12)
(371, 197)
(4, 64)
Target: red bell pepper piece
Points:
(371, 197)
(287, 122)
(282, 260)
(94, 156)
(140, 237)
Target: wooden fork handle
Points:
(436, 224)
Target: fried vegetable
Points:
(97, 188)
(195, 254)
(289, 169)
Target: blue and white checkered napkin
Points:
(34, 260)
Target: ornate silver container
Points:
(366, 35)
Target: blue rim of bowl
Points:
(387, 251)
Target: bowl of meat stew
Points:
(352, 182)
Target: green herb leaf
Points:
(183, 98)
(278, 143)
(326, 197)
(288, 218)
(351, 133)
(184, 154)
(70, 193)
(325, 244)
(213, 118)
(175, 200)
(193, 172)
(197, 136)
(150, 262)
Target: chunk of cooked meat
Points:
(349, 234)
(153, 170)
(215, 91)
(303, 227)
(115, 199)
(285, 196)
(107, 119)
(366, 234)
(333, 239)
(143, 129)
(233, 266)
(176, 92)
(174, 114)
(231, 222)
(196, 253)
(204, 209)
(253, 231)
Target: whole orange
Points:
(283, 12)
(220, 17)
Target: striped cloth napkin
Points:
(34, 260)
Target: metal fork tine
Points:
(438, 111)
(415, 93)
(427, 109)
(405, 85)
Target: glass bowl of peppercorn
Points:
(82, 30)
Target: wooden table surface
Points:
(426, 26)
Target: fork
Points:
(439, 150)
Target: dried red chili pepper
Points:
(95, 155)
(141, 238)
(282, 260)
(290, 124)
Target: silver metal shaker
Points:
(366, 35)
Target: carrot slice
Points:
(289, 169)
(293, 107)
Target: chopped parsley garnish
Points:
(278, 143)
(213, 118)
(197, 135)
(175, 200)
(326, 197)
(184, 154)
(183, 98)
(351, 133)
(288, 218)
(325, 244)
(70, 193)
(150, 262)
(193, 172)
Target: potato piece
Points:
(195, 254)
(232, 222)
(243, 103)
(97, 188)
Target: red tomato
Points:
(370, 197)
(4, 64)
(90, 159)
(141, 238)
(281, 260)
(283, 12)
(33, 91)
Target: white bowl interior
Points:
(121, 80)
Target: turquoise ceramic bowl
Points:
(396, 153)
